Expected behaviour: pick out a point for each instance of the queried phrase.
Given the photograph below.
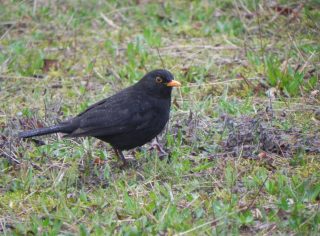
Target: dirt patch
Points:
(249, 136)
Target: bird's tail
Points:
(43, 131)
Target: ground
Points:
(243, 137)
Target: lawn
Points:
(243, 140)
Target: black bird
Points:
(128, 119)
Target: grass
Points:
(237, 61)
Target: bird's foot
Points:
(129, 163)
(126, 162)
(156, 145)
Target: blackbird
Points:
(128, 119)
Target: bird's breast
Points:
(151, 120)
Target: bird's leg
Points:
(155, 144)
(120, 156)
(124, 160)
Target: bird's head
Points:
(158, 83)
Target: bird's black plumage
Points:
(127, 119)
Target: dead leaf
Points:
(99, 161)
(50, 64)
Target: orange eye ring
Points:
(158, 79)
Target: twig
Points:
(115, 74)
(34, 8)
(212, 222)
(163, 66)
(7, 31)
(219, 82)
(10, 157)
(233, 47)
(306, 63)
(257, 194)
(3, 77)
(108, 21)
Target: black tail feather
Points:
(43, 131)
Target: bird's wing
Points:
(120, 113)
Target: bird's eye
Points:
(158, 79)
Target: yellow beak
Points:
(174, 83)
